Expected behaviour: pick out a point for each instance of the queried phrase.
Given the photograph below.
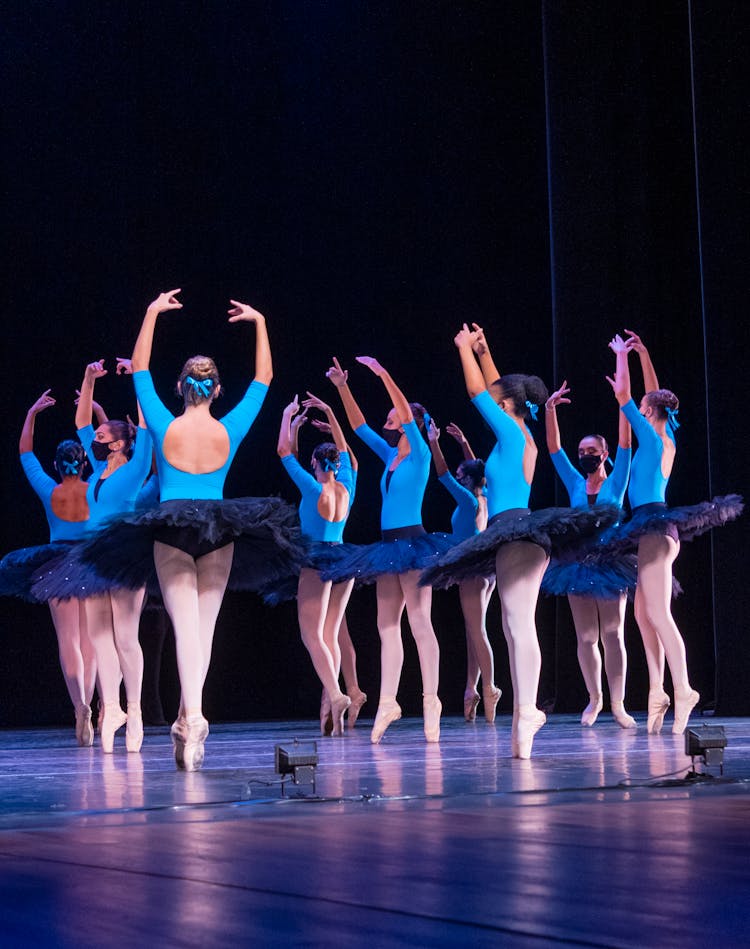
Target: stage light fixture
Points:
(298, 760)
(707, 742)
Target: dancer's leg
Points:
(348, 658)
(390, 607)
(313, 595)
(66, 619)
(88, 654)
(100, 625)
(586, 622)
(212, 576)
(334, 618)
(126, 615)
(419, 610)
(474, 601)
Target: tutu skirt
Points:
(19, 568)
(399, 554)
(319, 555)
(680, 523)
(555, 529)
(268, 546)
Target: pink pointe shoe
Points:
(114, 719)
(326, 717)
(591, 712)
(339, 705)
(389, 711)
(431, 709)
(621, 716)
(490, 698)
(471, 701)
(658, 703)
(684, 703)
(134, 728)
(188, 737)
(84, 728)
(530, 720)
(358, 698)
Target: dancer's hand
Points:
(433, 432)
(634, 342)
(44, 401)
(124, 366)
(95, 370)
(372, 364)
(558, 397)
(298, 421)
(166, 301)
(293, 407)
(465, 337)
(313, 402)
(337, 375)
(480, 343)
(243, 312)
(321, 425)
(455, 432)
(618, 345)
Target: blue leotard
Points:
(184, 485)
(647, 483)
(313, 525)
(115, 494)
(506, 486)
(43, 485)
(403, 493)
(464, 517)
(612, 490)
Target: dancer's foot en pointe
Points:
(114, 718)
(339, 704)
(684, 703)
(84, 727)
(658, 703)
(621, 716)
(358, 698)
(326, 718)
(471, 701)
(490, 698)
(431, 709)
(530, 720)
(591, 712)
(389, 711)
(189, 735)
(134, 728)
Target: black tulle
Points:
(365, 563)
(681, 523)
(19, 568)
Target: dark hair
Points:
(519, 389)
(201, 369)
(327, 456)
(70, 458)
(419, 412)
(602, 440)
(122, 431)
(660, 400)
(472, 473)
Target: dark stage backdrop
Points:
(370, 176)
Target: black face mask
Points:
(589, 463)
(392, 436)
(101, 450)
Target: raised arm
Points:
(486, 362)
(144, 343)
(624, 433)
(455, 432)
(339, 377)
(84, 407)
(285, 445)
(399, 400)
(550, 417)
(313, 402)
(634, 342)
(296, 424)
(473, 376)
(125, 368)
(433, 438)
(621, 381)
(263, 362)
(26, 441)
(326, 429)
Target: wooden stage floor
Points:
(594, 842)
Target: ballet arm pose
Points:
(85, 403)
(340, 378)
(621, 382)
(145, 341)
(473, 375)
(294, 426)
(482, 351)
(26, 441)
(337, 434)
(433, 439)
(634, 342)
(325, 428)
(550, 417)
(101, 415)
(287, 444)
(455, 432)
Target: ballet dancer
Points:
(470, 518)
(395, 562)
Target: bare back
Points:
(68, 501)
(333, 503)
(196, 443)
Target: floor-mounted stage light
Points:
(707, 742)
(298, 760)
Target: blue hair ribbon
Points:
(672, 419)
(203, 386)
(329, 465)
(427, 419)
(70, 467)
(533, 410)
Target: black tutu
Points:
(365, 563)
(19, 568)
(268, 546)
(320, 555)
(555, 529)
(680, 523)
(597, 576)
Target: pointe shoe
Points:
(389, 711)
(491, 697)
(326, 718)
(684, 703)
(114, 718)
(471, 701)
(84, 728)
(339, 705)
(658, 703)
(530, 720)
(591, 712)
(134, 729)
(431, 709)
(188, 736)
(621, 716)
(514, 733)
(358, 698)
